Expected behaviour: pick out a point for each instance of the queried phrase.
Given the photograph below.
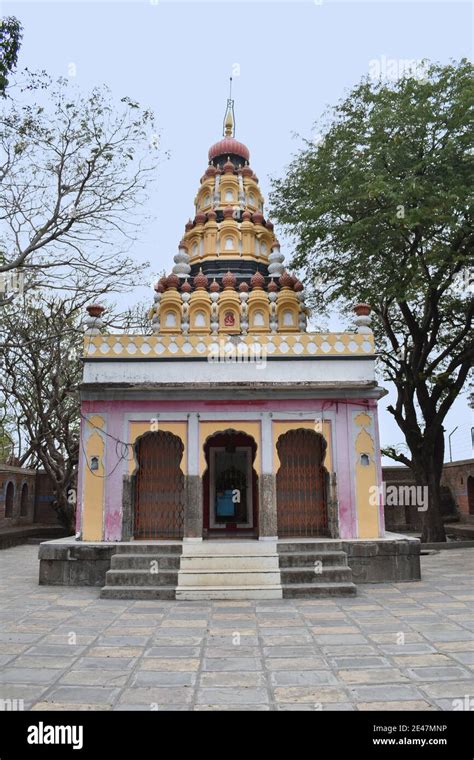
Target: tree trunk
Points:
(65, 511)
(431, 470)
(432, 520)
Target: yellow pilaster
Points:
(94, 480)
(366, 479)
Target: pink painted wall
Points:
(80, 480)
(115, 468)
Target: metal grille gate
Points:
(159, 487)
(301, 485)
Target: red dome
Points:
(257, 280)
(95, 309)
(227, 147)
(186, 286)
(200, 281)
(272, 286)
(214, 287)
(229, 280)
(172, 281)
(286, 280)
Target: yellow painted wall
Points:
(366, 477)
(177, 428)
(94, 482)
(207, 429)
(279, 428)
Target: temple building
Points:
(230, 446)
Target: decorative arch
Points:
(287, 318)
(263, 323)
(229, 242)
(170, 320)
(200, 315)
(302, 485)
(9, 498)
(158, 487)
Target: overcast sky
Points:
(290, 60)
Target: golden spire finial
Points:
(229, 120)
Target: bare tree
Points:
(74, 172)
(41, 371)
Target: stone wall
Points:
(36, 507)
(383, 561)
(402, 517)
(67, 563)
(15, 510)
(456, 477)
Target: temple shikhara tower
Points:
(230, 446)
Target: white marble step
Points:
(230, 577)
(229, 547)
(228, 561)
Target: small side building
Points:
(26, 506)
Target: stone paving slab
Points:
(404, 646)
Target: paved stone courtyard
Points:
(406, 646)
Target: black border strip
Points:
(255, 359)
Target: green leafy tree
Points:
(10, 37)
(380, 209)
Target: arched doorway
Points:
(301, 485)
(158, 488)
(24, 501)
(9, 497)
(230, 485)
(470, 494)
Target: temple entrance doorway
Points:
(230, 486)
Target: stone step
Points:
(231, 577)
(141, 578)
(309, 574)
(302, 545)
(205, 593)
(311, 590)
(137, 547)
(237, 548)
(144, 561)
(138, 592)
(306, 559)
(230, 561)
